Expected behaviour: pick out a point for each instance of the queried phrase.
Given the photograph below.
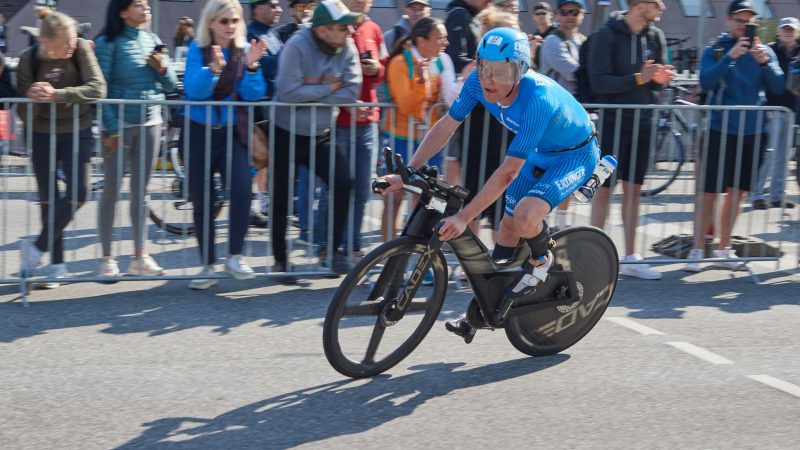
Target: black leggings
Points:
(75, 164)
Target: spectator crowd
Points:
(332, 53)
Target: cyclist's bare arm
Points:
(495, 186)
(436, 138)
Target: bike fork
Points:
(414, 281)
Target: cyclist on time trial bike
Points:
(554, 152)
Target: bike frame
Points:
(488, 279)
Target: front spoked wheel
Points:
(591, 255)
(362, 336)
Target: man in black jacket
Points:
(463, 31)
(786, 47)
(626, 66)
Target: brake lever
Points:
(379, 184)
(388, 158)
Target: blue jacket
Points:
(123, 62)
(738, 81)
(199, 83)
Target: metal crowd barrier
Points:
(669, 212)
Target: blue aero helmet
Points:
(509, 45)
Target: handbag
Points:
(260, 149)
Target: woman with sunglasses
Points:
(220, 66)
(553, 153)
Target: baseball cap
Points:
(332, 11)
(542, 5)
(274, 3)
(789, 22)
(571, 2)
(295, 2)
(421, 2)
(741, 5)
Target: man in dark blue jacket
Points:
(264, 15)
(627, 64)
(734, 71)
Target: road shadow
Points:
(735, 293)
(166, 308)
(329, 410)
(169, 307)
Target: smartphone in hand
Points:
(750, 32)
(159, 48)
(366, 55)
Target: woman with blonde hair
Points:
(60, 69)
(220, 66)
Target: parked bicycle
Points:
(382, 311)
(676, 136)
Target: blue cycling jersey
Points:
(548, 121)
(545, 116)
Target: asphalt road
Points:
(154, 365)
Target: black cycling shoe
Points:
(461, 327)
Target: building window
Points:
(691, 8)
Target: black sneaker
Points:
(760, 204)
(530, 277)
(788, 204)
(340, 264)
(284, 279)
(257, 219)
(461, 327)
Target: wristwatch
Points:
(255, 67)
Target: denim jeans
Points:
(363, 153)
(775, 162)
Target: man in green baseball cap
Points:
(332, 12)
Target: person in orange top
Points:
(418, 75)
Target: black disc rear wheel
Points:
(592, 256)
(360, 337)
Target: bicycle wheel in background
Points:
(358, 338)
(169, 205)
(665, 162)
(589, 253)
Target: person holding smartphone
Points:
(735, 70)
(136, 67)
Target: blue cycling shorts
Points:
(561, 174)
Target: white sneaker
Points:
(145, 266)
(728, 253)
(695, 255)
(643, 271)
(525, 284)
(108, 267)
(239, 269)
(56, 271)
(31, 258)
(204, 283)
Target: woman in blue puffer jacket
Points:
(135, 68)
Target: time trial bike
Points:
(382, 311)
